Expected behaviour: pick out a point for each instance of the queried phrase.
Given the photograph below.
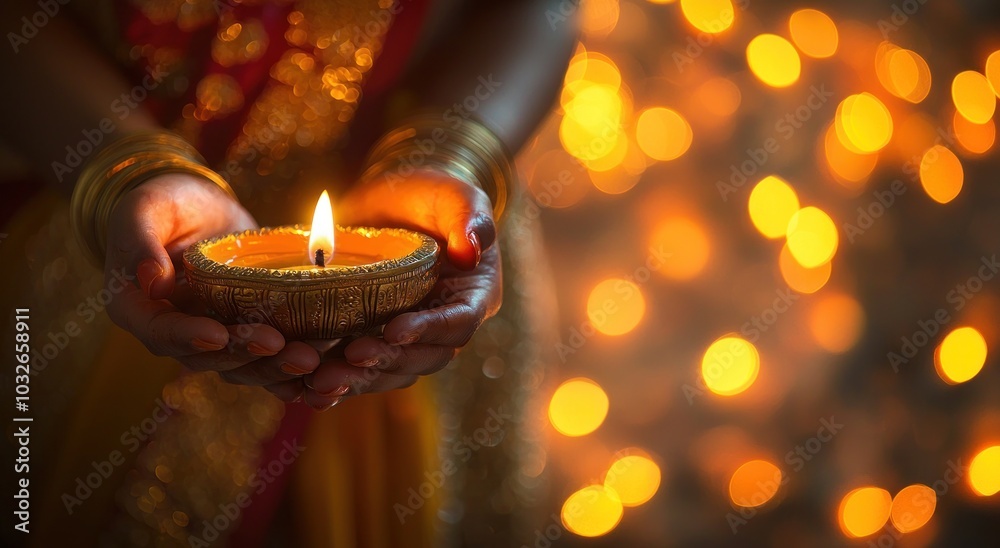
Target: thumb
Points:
(137, 231)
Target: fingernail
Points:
(202, 344)
(298, 398)
(339, 391)
(369, 363)
(331, 404)
(148, 271)
(474, 240)
(293, 369)
(409, 338)
(259, 350)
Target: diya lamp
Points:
(320, 282)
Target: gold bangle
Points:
(469, 152)
(120, 167)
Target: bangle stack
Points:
(120, 167)
(468, 151)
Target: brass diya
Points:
(266, 276)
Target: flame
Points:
(321, 233)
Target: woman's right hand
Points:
(147, 233)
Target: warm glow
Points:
(615, 306)
(941, 174)
(719, 96)
(772, 204)
(578, 407)
(321, 232)
(960, 356)
(813, 32)
(836, 321)
(912, 507)
(800, 278)
(973, 96)
(774, 60)
(591, 127)
(662, 133)
(812, 237)
(848, 167)
(599, 17)
(754, 483)
(730, 366)
(863, 123)
(864, 511)
(993, 71)
(711, 16)
(910, 75)
(635, 478)
(984, 472)
(592, 511)
(686, 245)
(974, 138)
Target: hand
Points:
(148, 231)
(467, 293)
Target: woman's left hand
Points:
(467, 293)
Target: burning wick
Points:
(320, 258)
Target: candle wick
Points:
(320, 258)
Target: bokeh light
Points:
(993, 71)
(941, 174)
(662, 133)
(578, 407)
(687, 245)
(800, 278)
(634, 477)
(615, 306)
(836, 321)
(730, 365)
(848, 167)
(812, 237)
(902, 72)
(599, 17)
(754, 483)
(814, 33)
(592, 511)
(773, 60)
(719, 96)
(711, 16)
(973, 96)
(864, 511)
(973, 138)
(912, 507)
(863, 123)
(772, 204)
(961, 355)
(984, 472)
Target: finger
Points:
(247, 343)
(288, 391)
(293, 361)
(452, 210)
(346, 381)
(162, 328)
(411, 359)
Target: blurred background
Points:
(774, 229)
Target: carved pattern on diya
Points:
(314, 303)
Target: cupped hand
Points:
(468, 292)
(148, 231)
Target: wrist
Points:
(468, 152)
